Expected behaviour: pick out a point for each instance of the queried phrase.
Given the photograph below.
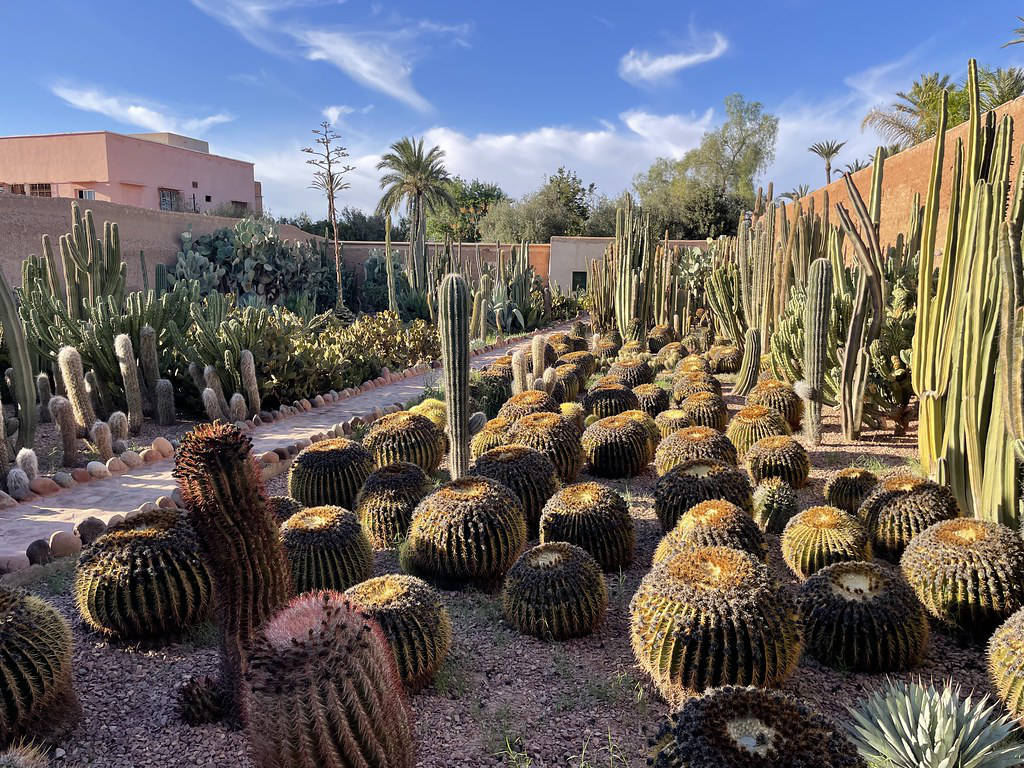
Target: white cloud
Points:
(379, 59)
(334, 113)
(639, 66)
(134, 112)
(371, 63)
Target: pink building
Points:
(161, 171)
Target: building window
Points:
(195, 185)
(579, 281)
(209, 198)
(39, 190)
(87, 194)
(170, 199)
(16, 189)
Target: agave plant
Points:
(914, 726)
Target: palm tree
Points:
(998, 86)
(914, 116)
(419, 179)
(1019, 32)
(827, 150)
(800, 190)
(856, 165)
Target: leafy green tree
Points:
(601, 221)
(708, 212)
(461, 221)
(560, 207)
(353, 224)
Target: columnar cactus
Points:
(520, 372)
(101, 440)
(165, 410)
(223, 493)
(27, 462)
(149, 361)
(537, 349)
(130, 378)
(211, 404)
(73, 376)
(816, 320)
(118, 423)
(35, 663)
(63, 415)
(453, 330)
(44, 392)
(250, 387)
(237, 408)
(212, 380)
(751, 365)
(326, 690)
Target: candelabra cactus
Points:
(73, 376)
(816, 320)
(453, 329)
(223, 493)
(326, 688)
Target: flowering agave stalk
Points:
(914, 726)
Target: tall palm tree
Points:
(1019, 32)
(856, 165)
(800, 190)
(418, 178)
(998, 86)
(827, 151)
(914, 116)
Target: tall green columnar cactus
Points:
(485, 289)
(520, 372)
(390, 266)
(751, 366)
(130, 378)
(250, 387)
(73, 376)
(92, 268)
(537, 348)
(816, 317)
(632, 253)
(223, 494)
(21, 361)
(149, 362)
(1011, 339)
(453, 329)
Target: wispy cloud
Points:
(379, 58)
(335, 112)
(131, 111)
(642, 67)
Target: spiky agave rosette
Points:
(713, 616)
(750, 727)
(594, 518)
(555, 591)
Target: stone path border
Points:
(46, 524)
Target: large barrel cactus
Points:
(555, 591)
(779, 456)
(326, 690)
(901, 506)
(714, 523)
(753, 423)
(694, 481)
(414, 619)
(778, 396)
(691, 383)
(693, 443)
(705, 409)
(143, 579)
(713, 616)
(671, 420)
(386, 502)
(693, 364)
(617, 446)
(820, 536)
(652, 398)
(1006, 663)
(453, 330)
(494, 433)
(525, 403)
(329, 472)
(750, 727)
(609, 398)
(469, 530)
(36, 696)
(554, 435)
(969, 574)
(406, 436)
(327, 549)
(527, 472)
(862, 617)
(238, 537)
(594, 518)
(848, 488)
(632, 372)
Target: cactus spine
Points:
(223, 494)
(250, 387)
(453, 328)
(130, 377)
(819, 307)
(747, 377)
(164, 402)
(73, 376)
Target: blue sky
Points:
(509, 90)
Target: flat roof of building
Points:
(165, 139)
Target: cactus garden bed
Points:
(501, 698)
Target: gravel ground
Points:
(501, 699)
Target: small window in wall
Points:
(240, 206)
(170, 199)
(87, 194)
(39, 190)
(16, 189)
(195, 185)
(579, 281)
(209, 198)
